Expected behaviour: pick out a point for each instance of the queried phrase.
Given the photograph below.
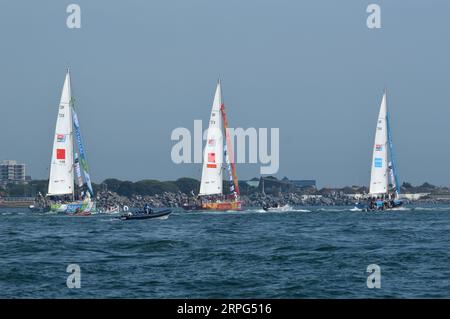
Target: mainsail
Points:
(61, 180)
(379, 179)
(211, 183)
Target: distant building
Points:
(11, 172)
(272, 185)
(253, 182)
(304, 183)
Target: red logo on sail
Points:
(211, 159)
(378, 147)
(60, 153)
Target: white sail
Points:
(61, 168)
(379, 178)
(211, 182)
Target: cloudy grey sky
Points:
(311, 68)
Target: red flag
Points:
(60, 153)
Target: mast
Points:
(230, 151)
(71, 131)
(391, 150)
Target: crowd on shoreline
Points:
(107, 200)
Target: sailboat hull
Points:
(143, 215)
(222, 206)
(74, 207)
(214, 206)
(379, 207)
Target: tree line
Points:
(184, 185)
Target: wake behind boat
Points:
(277, 208)
(384, 185)
(110, 210)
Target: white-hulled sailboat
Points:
(65, 162)
(384, 189)
(216, 158)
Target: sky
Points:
(311, 68)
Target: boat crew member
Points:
(147, 209)
(371, 203)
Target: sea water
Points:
(313, 252)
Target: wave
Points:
(256, 210)
(431, 209)
(356, 209)
(282, 209)
(49, 213)
(301, 210)
(285, 208)
(401, 209)
(337, 210)
(110, 220)
(162, 217)
(116, 212)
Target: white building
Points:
(11, 172)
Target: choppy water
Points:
(314, 253)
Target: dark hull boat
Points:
(380, 205)
(144, 215)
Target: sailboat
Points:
(68, 163)
(384, 189)
(217, 158)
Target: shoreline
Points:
(109, 199)
(175, 200)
